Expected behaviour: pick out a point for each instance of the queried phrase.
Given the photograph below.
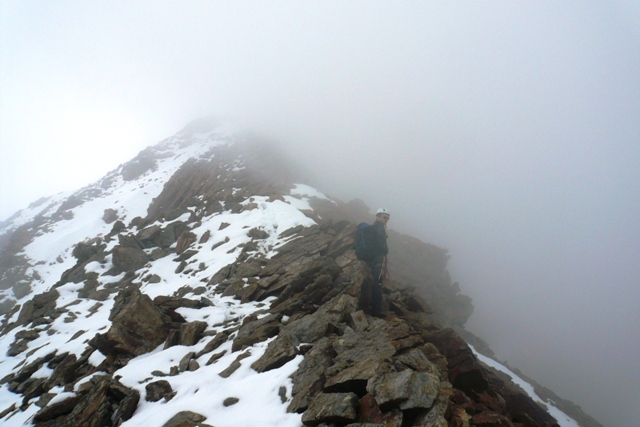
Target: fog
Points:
(507, 132)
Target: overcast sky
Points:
(508, 132)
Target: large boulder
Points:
(137, 326)
(129, 259)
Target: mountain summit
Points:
(201, 284)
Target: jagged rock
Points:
(127, 408)
(465, 373)
(110, 215)
(369, 413)
(151, 236)
(216, 342)
(8, 410)
(185, 419)
(186, 239)
(93, 409)
(130, 241)
(234, 365)
(129, 259)
(415, 359)
(190, 333)
(234, 289)
(180, 268)
(63, 371)
(172, 339)
(215, 357)
(137, 326)
(359, 320)
(280, 351)
(256, 331)
(314, 326)
(34, 390)
(57, 409)
(435, 417)
(156, 254)
(309, 379)
(184, 256)
(361, 355)
(331, 408)
(205, 237)
(247, 269)
(158, 390)
(43, 401)
(42, 305)
(407, 389)
(28, 370)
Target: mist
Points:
(506, 132)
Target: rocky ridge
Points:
(230, 289)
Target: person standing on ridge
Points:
(377, 262)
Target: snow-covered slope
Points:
(50, 254)
(77, 293)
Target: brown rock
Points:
(465, 373)
(234, 365)
(158, 390)
(137, 326)
(256, 331)
(110, 215)
(337, 408)
(186, 239)
(279, 352)
(185, 419)
(205, 237)
(57, 409)
(230, 401)
(190, 333)
(129, 259)
(407, 389)
(370, 414)
(216, 342)
(309, 379)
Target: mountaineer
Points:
(371, 247)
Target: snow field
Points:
(202, 391)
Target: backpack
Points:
(364, 242)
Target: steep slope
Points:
(198, 285)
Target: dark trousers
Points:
(371, 291)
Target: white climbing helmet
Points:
(383, 211)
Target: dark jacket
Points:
(380, 239)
